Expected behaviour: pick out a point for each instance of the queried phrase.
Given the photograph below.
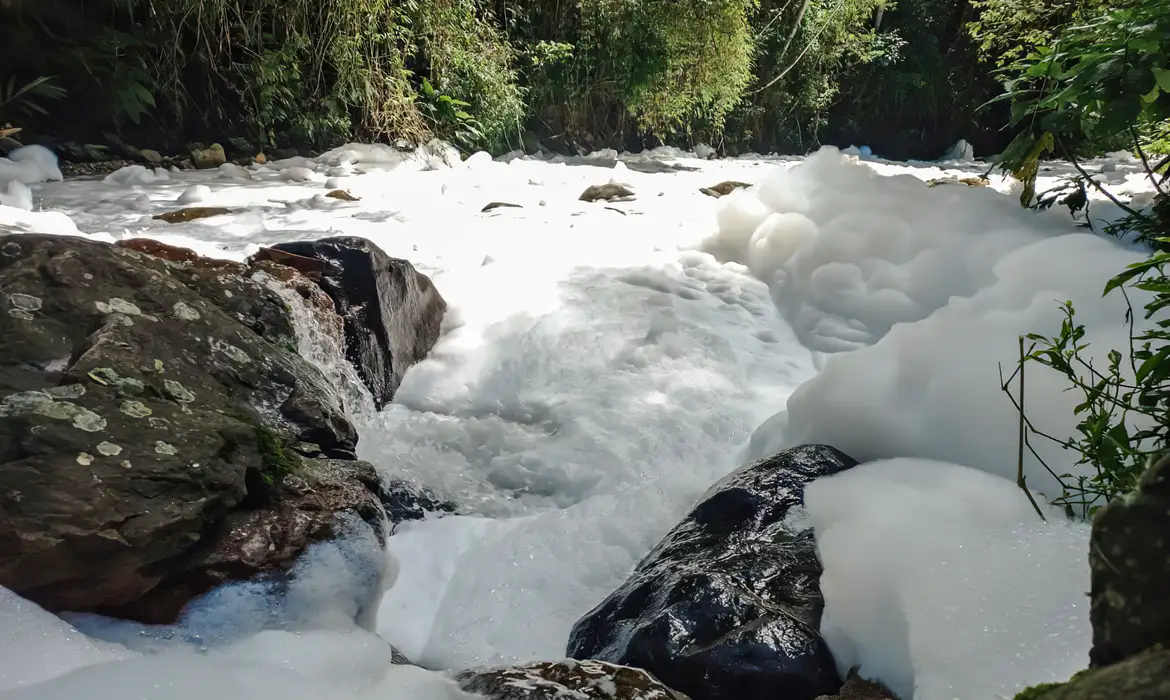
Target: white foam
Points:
(596, 374)
(942, 581)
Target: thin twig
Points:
(1145, 161)
(1021, 480)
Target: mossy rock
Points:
(149, 413)
(1142, 677)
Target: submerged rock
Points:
(564, 680)
(724, 188)
(1129, 558)
(150, 405)
(728, 605)
(191, 214)
(611, 192)
(392, 312)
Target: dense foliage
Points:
(907, 77)
(1104, 78)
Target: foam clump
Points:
(922, 293)
(36, 645)
(308, 638)
(137, 175)
(30, 164)
(16, 194)
(942, 581)
(19, 219)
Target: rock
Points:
(190, 214)
(1142, 677)
(1129, 557)
(857, 688)
(151, 156)
(313, 268)
(728, 605)
(968, 181)
(208, 158)
(150, 405)
(562, 680)
(723, 188)
(609, 192)
(404, 501)
(241, 147)
(530, 142)
(343, 195)
(497, 205)
(391, 311)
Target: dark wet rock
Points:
(610, 192)
(1145, 676)
(530, 142)
(240, 147)
(857, 688)
(724, 188)
(497, 205)
(150, 405)
(1129, 557)
(392, 312)
(562, 680)
(728, 605)
(313, 268)
(190, 214)
(404, 501)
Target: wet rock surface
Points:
(392, 312)
(728, 605)
(159, 433)
(561, 680)
(1129, 560)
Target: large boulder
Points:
(1129, 558)
(1142, 677)
(727, 607)
(392, 312)
(562, 680)
(159, 433)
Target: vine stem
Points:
(1021, 480)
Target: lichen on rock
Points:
(156, 459)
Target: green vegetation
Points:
(1104, 78)
(908, 77)
(277, 462)
(1037, 691)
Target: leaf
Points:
(1162, 77)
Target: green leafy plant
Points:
(27, 99)
(447, 117)
(1104, 77)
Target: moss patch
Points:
(277, 462)
(1037, 691)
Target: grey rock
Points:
(149, 413)
(565, 680)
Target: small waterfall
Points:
(321, 341)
